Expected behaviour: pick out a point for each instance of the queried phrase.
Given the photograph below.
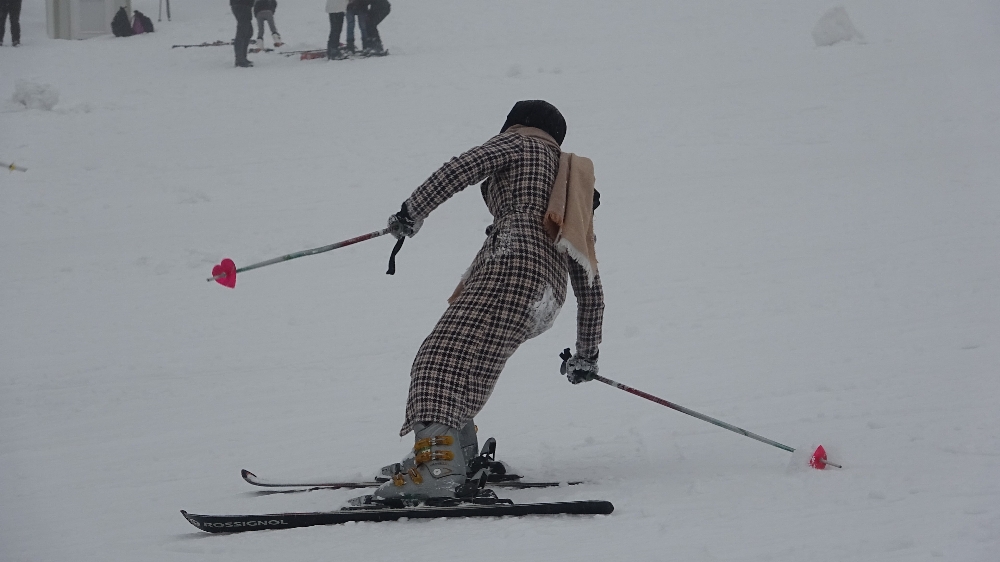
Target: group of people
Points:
(10, 9)
(365, 14)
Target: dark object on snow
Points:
(145, 22)
(120, 25)
(539, 114)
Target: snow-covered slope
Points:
(799, 240)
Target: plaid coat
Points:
(513, 289)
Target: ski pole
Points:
(225, 272)
(818, 459)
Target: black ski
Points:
(212, 44)
(344, 55)
(241, 523)
(514, 482)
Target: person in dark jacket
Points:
(376, 11)
(542, 201)
(11, 9)
(243, 10)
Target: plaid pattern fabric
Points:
(513, 289)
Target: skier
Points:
(356, 12)
(375, 12)
(263, 10)
(12, 9)
(243, 11)
(335, 9)
(542, 201)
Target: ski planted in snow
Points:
(378, 512)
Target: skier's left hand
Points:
(576, 368)
(402, 224)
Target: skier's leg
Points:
(15, 22)
(333, 42)
(351, 13)
(363, 28)
(3, 22)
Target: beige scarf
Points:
(569, 219)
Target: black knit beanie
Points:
(539, 114)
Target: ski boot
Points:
(256, 45)
(438, 469)
(475, 459)
(466, 439)
(335, 52)
(375, 49)
(277, 40)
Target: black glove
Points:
(577, 369)
(402, 224)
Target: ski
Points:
(212, 44)
(322, 54)
(242, 523)
(512, 481)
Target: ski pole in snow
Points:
(12, 167)
(225, 272)
(817, 460)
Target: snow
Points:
(35, 96)
(801, 241)
(835, 26)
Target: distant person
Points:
(11, 9)
(336, 9)
(263, 10)
(376, 11)
(356, 11)
(243, 10)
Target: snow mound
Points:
(835, 26)
(35, 96)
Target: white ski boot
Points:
(466, 439)
(438, 469)
(256, 45)
(277, 40)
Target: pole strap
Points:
(392, 256)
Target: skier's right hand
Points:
(576, 368)
(402, 224)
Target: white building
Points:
(82, 19)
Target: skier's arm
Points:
(589, 310)
(462, 171)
